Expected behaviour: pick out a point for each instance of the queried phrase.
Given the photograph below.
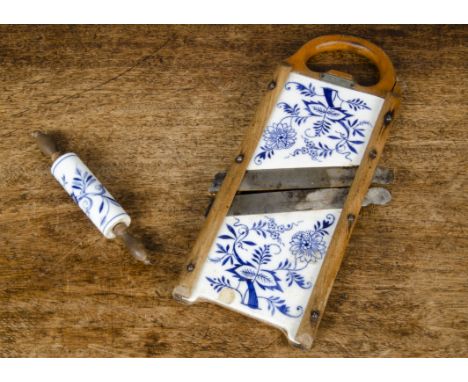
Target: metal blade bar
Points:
(301, 178)
(301, 200)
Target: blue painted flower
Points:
(279, 136)
(247, 265)
(307, 246)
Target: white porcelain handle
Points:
(89, 193)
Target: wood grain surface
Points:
(155, 111)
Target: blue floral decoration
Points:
(278, 136)
(321, 114)
(88, 192)
(310, 246)
(247, 264)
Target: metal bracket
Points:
(335, 80)
(301, 178)
(302, 200)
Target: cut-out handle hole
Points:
(362, 69)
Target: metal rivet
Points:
(178, 297)
(190, 267)
(373, 154)
(314, 316)
(272, 85)
(240, 158)
(388, 117)
(351, 219)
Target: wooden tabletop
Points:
(155, 112)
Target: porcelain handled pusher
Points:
(277, 230)
(91, 196)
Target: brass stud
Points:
(272, 85)
(240, 158)
(351, 219)
(190, 267)
(373, 154)
(314, 316)
(388, 117)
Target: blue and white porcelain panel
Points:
(316, 124)
(90, 195)
(265, 266)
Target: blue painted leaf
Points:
(251, 243)
(301, 120)
(357, 104)
(268, 280)
(283, 309)
(292, 110)
(359, 132)
(308, 91)
(316, 108)
(321, 127)
(351, 148)
(284, 264)
(219, 284)
(226, 260)
(226, 237)
(221, 249)
(337, 114)
(246, 272)
(299, 280)
(231, 229)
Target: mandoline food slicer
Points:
(277, 231)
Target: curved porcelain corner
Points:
(265, 266)
(89, 193)
(316, 124)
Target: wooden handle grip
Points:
(330, 43)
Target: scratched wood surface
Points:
(155, 111)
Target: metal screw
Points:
(239, 158)
(314, 316)
(373, 154)
(351, 219)
(190, 267)
(388, 117)
(178, 297)
(272, 85)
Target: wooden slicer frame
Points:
(387, 89)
